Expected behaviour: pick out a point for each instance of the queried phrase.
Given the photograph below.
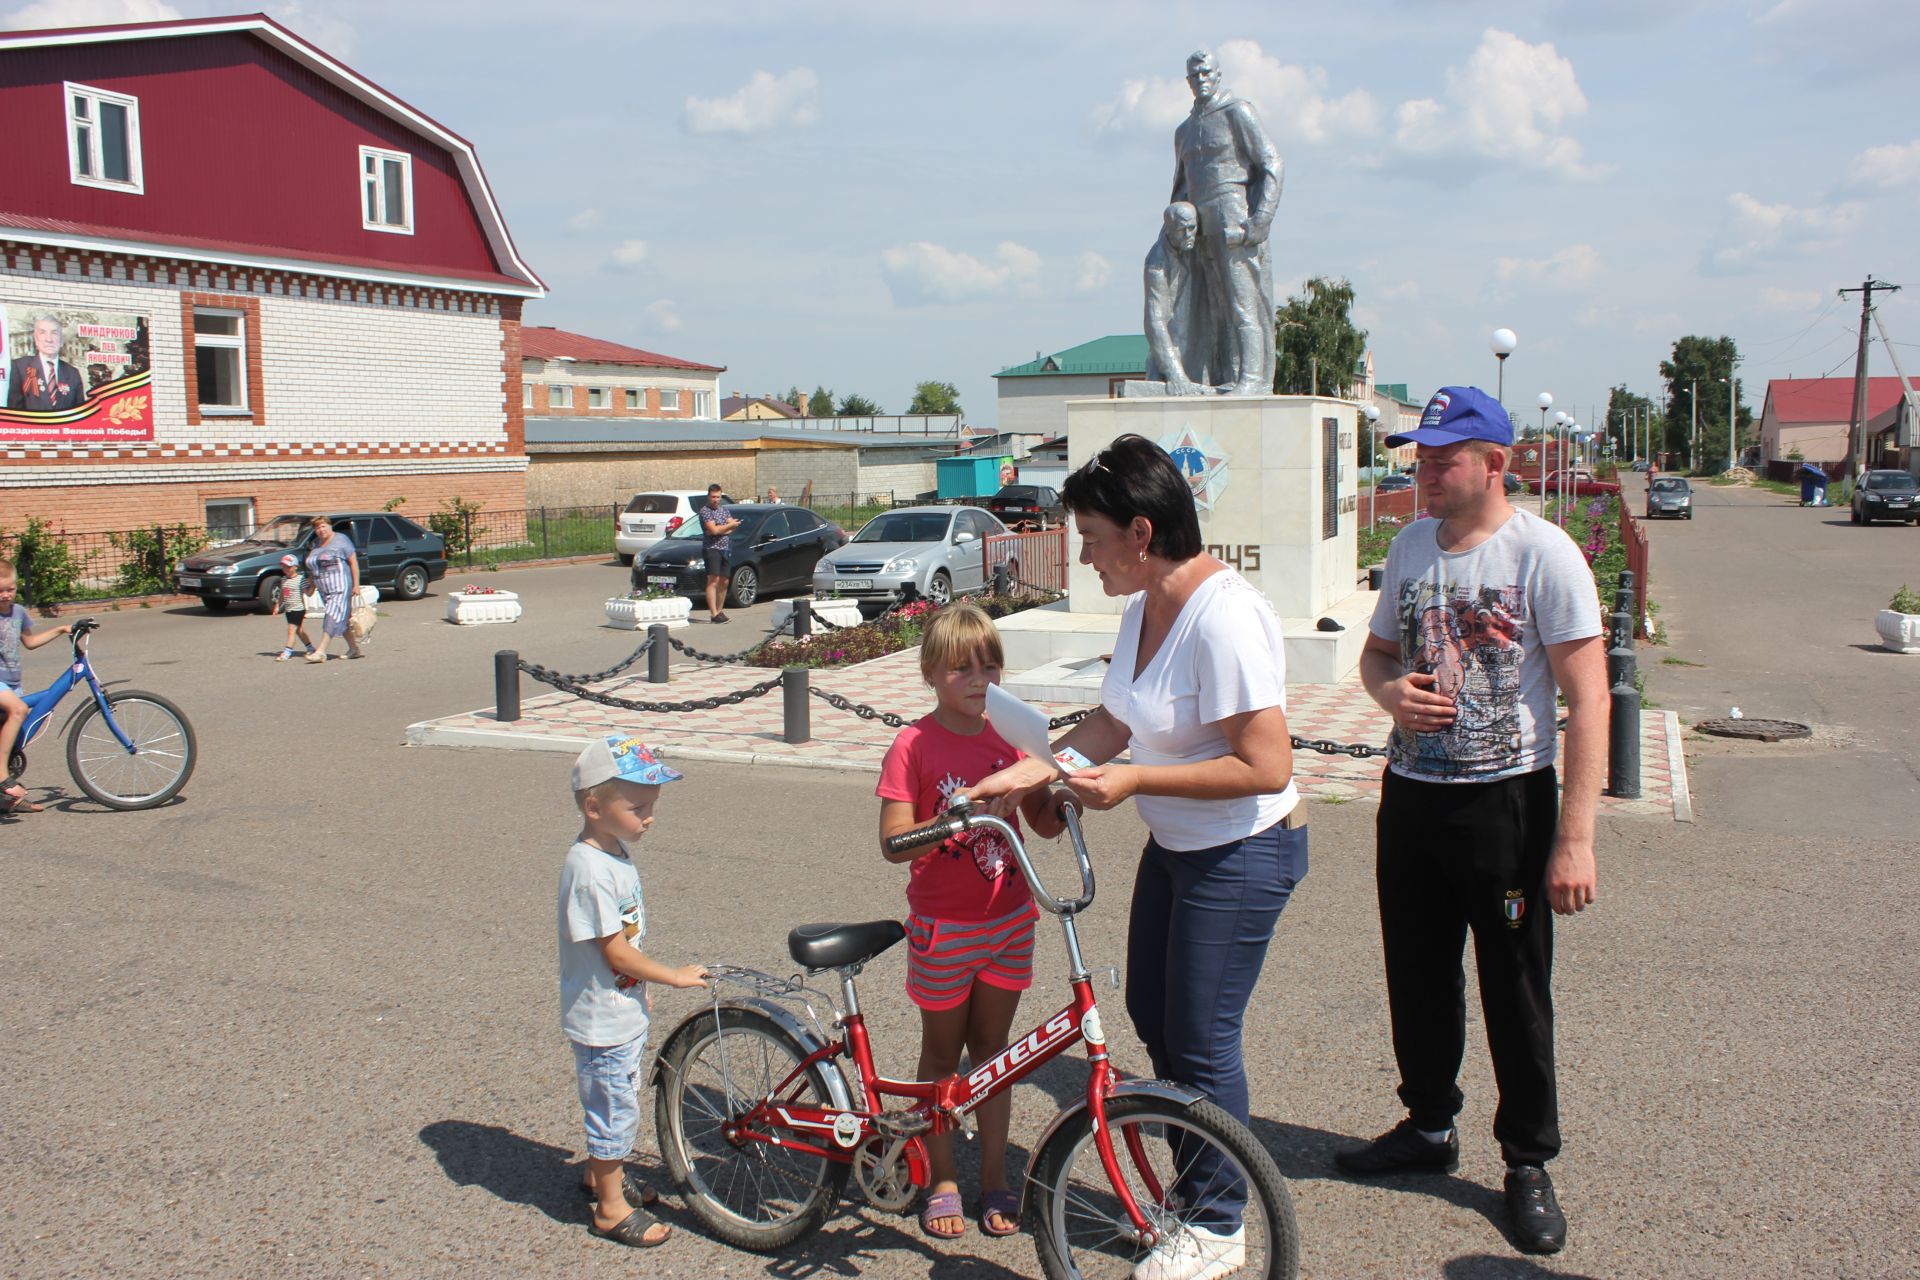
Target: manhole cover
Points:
(1759, 730)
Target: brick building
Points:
(571, 375)
(270, 285)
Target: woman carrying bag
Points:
(335, 570)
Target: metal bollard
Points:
(506, 686)
(658, 656)
(797, 713)
(1623, 719)
(802, 618)
(1001, 584)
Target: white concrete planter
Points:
(638, 615)
(464, 610)
(1899, 632)
(836, 613)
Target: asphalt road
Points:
(303, 1020)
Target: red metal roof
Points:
(1827, 399)
(540, 342)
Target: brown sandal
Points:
(632, 1231)
(637, 1193)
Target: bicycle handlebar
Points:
(962, 818)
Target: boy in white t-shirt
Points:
(603, 973)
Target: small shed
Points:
(968, 477)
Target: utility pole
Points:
(1857, 428)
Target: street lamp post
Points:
(1372, 414)
(1693, 435)
(1503, 342)
(1546, 402)
(1559, 420)
(1733, 419)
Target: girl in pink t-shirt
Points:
(970, 927)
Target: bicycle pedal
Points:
(902, 1124)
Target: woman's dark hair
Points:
(1131, 477)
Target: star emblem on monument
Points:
(1202, 461)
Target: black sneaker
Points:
(1538, 1224)
(1401, 1150)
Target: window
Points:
(383, 529)
(596, 397)
(386, 186)
(559, 397)
(669, 400)
(220, 359)
(776, 527)
(636, 401)
(229, 519)
(526, 395)
(703, 404)
(103, 139)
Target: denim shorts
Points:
(609, 1080)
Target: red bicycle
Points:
(761, 1123)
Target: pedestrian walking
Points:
(290, 599)
(336, 573)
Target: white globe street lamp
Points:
(1503, 342)
(1546, 403)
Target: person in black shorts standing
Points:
(1486, 610)
(716, 522)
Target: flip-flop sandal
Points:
(632, 1231)
(1003, 1204)
(945, 1204)
(637, 1193)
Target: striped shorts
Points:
(946, 957)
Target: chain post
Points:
(659, 656)
(1623, 699)
(802, 618)
(506, 686)
(797, 712)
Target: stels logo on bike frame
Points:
(1037, 1043)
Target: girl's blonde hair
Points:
(956, 633)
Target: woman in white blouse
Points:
(1196, 695)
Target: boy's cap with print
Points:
(627, 759)
(1459, 413)
(288, 562)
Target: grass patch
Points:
(558, 536)
(1334, 799)
(1671, 661)
(850, 517)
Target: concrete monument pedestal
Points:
(1275, 481)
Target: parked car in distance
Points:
(1886, 495)
(1021, 506)
(650, 517)
(1670, 496)
(774, 549)
(1393, 483)
(1575, 475)
(1513, 482)
(931, 552)
(396, 555)
(1642, 465)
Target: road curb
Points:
(428, 733)
(1677, 769)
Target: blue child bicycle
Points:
(126, 748)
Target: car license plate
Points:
(1896, 502)
(190, 582)
(662, 579)
(852, 584)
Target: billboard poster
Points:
(72, 373)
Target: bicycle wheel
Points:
(153, 772)
(1188, 1167)
(752, 1195)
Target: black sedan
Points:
(1393, 483)
(1886, 495)
(774, 549)
(1028, 506)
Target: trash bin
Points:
(1813, 486)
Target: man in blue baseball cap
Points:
(1485, 612)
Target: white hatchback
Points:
(650, 517)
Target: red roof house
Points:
(569, 373)
(1812, 416)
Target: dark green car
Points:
(396, 555)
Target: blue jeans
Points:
(609, 1080)
(1195, 945)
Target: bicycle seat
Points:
(833, 946)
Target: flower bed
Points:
(889, 633)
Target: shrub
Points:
(147, 556)
(47, 566)
(454, 524)
(889, 633)
(1904, 601)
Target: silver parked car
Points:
(932, 552)
(1670, 496)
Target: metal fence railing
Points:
(1034, 559)
(1633, 538)
(532, 533)
(56, 565)
(847, 510)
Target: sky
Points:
(866, 194)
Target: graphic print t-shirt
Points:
(599, 897)
(14, 623)
(972, 876)
(1479, 621)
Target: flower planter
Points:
(638, 615)
(464, 610)
(1899, 632)
(835, 613)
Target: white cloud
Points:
(586, 220)
(1575, 264)
(88, 13)
(663, 314)
(1093, 272)
(765, 102)
(1756, 234)
(1800, 300)
(627, 255)
(1507, 105)
(1292, 100)
(925, 274)
(1401, 291)
(1896, 165)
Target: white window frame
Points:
(136, 176)
(703, 404)
(379, 182)
(526, 395)
(599, 395)
(236, 342)
(246, 524)
(669, 399)
(559, 396)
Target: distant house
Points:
(565, 373)
(741, 407)
(1399, 412)
(1033, 396)
(1811, 415)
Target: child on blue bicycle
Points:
(16, 633)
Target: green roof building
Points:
(1033, 396)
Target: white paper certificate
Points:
(1021, 723)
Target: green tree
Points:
(935, 397)
(820, 403)
(1702, 365)
(1316, 347)
(1625, 409)
(858, 406)
(797, 398)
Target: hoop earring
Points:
(1143, 557)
